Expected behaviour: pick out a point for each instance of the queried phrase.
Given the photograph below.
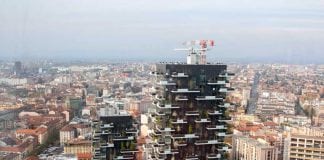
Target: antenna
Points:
(197, 55)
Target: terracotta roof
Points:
(84, 155)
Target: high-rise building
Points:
(190, 116)
(17, 68)
(251, 149)
(114, 135)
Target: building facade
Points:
(245, 148)
(190, 116)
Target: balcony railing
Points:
(168, 151)
(123, 138)
(216, 127)
(226, 90)
(184, 136)
(179, 75)
(167, 83)
(214, 113)
(208, 98)
(124, 157)
(179, 121)
(214, 156)
(160, 113)
(192, 113)
(185, 90)
(217, 83)
(225, 105)
(203, 120)
(166, 106)
(206, 142)
(181, 98)
(165, 129)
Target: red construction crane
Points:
(197, 55)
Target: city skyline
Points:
(249, 31)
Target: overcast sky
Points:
(289, 31)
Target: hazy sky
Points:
(279, 30)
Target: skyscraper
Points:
(190, 117)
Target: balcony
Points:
(225, 75)
(208, 98)
(217, 83)
(125, 157)
(106, 126)
(224, 149)
(165, 129)
(160, 142)
(206, 142)
(167, 83)
(159, 97)
(181, 98)
(131, 131)
(179, 121)
(156, 132)
(222, 134)
(180, 143)
(166, 106)
(225, 105)
(192, 157)
(192, 113)
(124, 138)
(185, 90)
(224, 119)
(107, 145)
(179, 75)
(159, 113)
(226, 90)
(214, 113)
(168, 151)
(213, 156)
(203, 120)
(184, 136)
(124, 151)
(216, 127)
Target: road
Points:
(253, 95)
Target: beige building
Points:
(67, 133)
(77, 146)
(302, 147)
(245, 148)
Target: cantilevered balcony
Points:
(224, 148)
(167, 129)
(215, 112)
(192, 113)
(181, 98)
(106, 126)
(216, 83)
(224, 119)
(208, 98)
(203, 120)
(167, 106)
(226, 90)
(225, 105)
(185, 90)
(124, 138)
(160, 142)
(180, 143)
(179, 121)
(124, 157)
(184, 136)
(160, 113)
(168, 151)
(131, 131)
(159, 97)
(155, 132)
(125, 151)
(107, 145)
(216, 127)
(225, 75)
(213, 156)
(221, 134)
(179, 75)
(206, 142)
(192, 157)
(167, 83)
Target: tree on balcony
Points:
(190, 129)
